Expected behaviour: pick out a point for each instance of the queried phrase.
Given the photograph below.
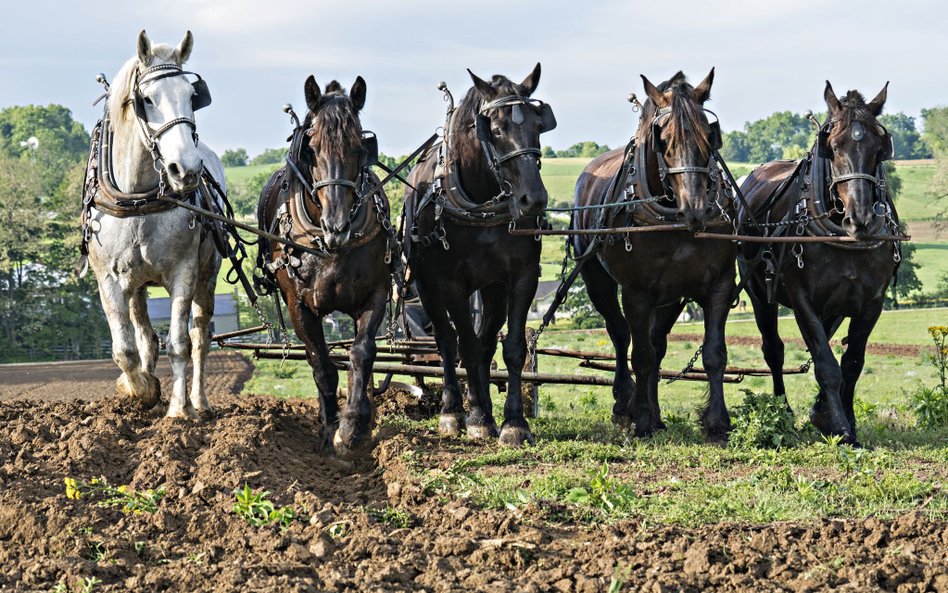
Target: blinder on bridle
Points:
(824, 150)
(482, 120)
(200, 98)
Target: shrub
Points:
(763, 421)
(931, 404)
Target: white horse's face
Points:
(163, 100)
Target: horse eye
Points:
(147, 101)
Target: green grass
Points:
(932, 260)
(675, 477)
(241, 175)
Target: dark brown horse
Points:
(486, 174)
(320, 198)
(838, 189)
(673, 179)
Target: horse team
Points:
(461, 198)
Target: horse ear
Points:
(530, 83)
(653, 93)
(832, 101)
(482, 86)
(875, 106)
(144, 48)
(311, 91)
(183, 51)
(357, 93)
(703, 90)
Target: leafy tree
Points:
(734, 147)
(935, 134)
(905, 136)
(586, 149)
(270, 156)
(768, 138)
(63, 142)
(548, 152)
(235, 158)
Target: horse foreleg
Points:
(147, 341)
(603, 292)
(860, 326)
(495, 314)
(451, 420)
(355, 424)
(716, 305)
(645, 410)
(515, 430)
(203, 309)
(827, 413)
(309, 328)
(765, 315)
(179, 348)
(132, 382)
(480, 419)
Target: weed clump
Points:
(763, 421)
(931, 404)
(130, 501)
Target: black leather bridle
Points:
(482, 129)
(200, 99)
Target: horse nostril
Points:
(680, 214)
(523, 202)
(174, 170)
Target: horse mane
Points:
(335, 127)
(121, 87)
(686, 120)
(463, 121)
(854, 110)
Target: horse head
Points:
(157, 92)
(855, 144)
(507, 125)
(340, 155)
(675, 126)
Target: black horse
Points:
(322, 198)
(667, 175)
(485, 176)
(838, 189)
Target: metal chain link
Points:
(688, 368)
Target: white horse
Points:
(153, 139)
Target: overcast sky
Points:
(770, 55)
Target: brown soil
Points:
(903, 350)
(196, 543)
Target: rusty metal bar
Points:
(696, 375)
(798, 239)
(238, 333)
(655, 228)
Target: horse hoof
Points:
(450, 425)
(481, 432)
(186, 412)
(352, 448)
(622, 422)
(717, 430)
(646, 429)
(826, 426)
(515, 436)
(153, 392)
(206, 414)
